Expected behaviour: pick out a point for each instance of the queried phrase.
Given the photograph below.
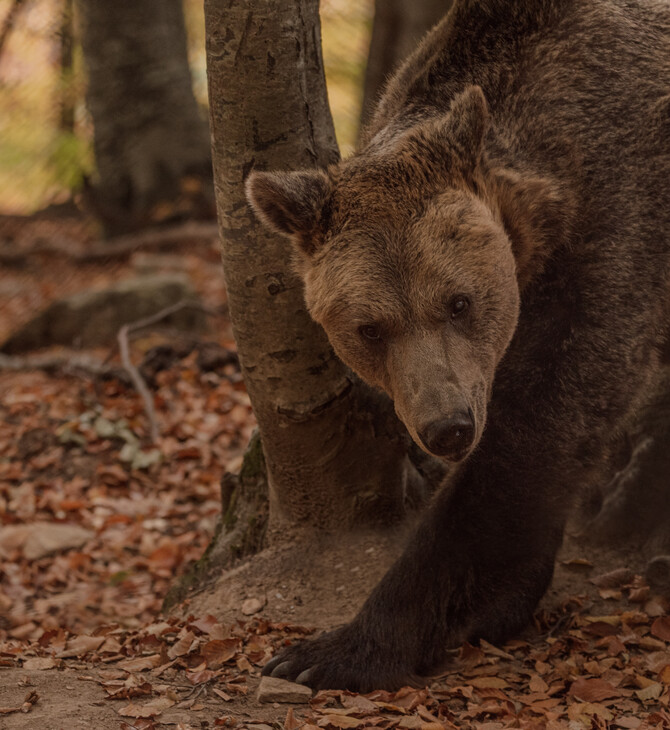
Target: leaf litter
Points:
(88, 602)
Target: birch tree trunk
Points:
(334, 451)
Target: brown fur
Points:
(519, 160)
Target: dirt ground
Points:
(319, 586)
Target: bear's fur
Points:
(496, 258)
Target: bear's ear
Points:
(466, 124)
(537, 213)
(289, 203)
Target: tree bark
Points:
(334, 451)
(148, 133)
(397, 28)
(66, 99)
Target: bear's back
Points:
(578, 90)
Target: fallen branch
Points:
(68, 364)
(120, 247)
(202, 232)
(134, 374)
(138, 382)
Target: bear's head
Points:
(413, 253)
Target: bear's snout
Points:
(450, 437)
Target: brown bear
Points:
(496, 257)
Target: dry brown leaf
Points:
(537, 684)
(411, 722)
(577, 563)
(580, 710)
(81, 645)
(340, 721)
(30, 699)
(593, 690)
(358, 703)
(150, 709)
(183, 646)
(290, 722)
(219, 651)
(210, 625)
(651, 692)
(661, 628)
(40, 663)
(200, 676)
(628, 723)
(488, 682)
(494, 650)
(225, 697)
(141, 663)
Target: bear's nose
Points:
(450, 437)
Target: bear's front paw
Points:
(343, 659)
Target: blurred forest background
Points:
(125, 423)
(46, 132)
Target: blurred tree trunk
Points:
(148, 133)
(66, 97)
(397, 28)
(334, 453)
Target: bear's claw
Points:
(341, 659)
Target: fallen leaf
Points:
(30, 699)
(661, 628)
(40, 663)
(651, 692)
(141, 663)
(219, 651)
(150, 709)
(183, 646)
(81, 645)
(593, 690)
(488, 682)
(340, 721)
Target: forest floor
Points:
(95, 524)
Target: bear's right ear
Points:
(289, 203)
(466, 125)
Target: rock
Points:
(273, 689)
(251, 606)
(39, 539)
(95, 317)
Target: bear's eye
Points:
(370, 332)
(459, 306)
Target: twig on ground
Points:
(138, 382)
(133, 372)
(67, 363)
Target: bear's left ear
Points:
(466, 124)
(289, 203)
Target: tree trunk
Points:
(397, 28)
(334, 451)
(148, 133)
(66, 99)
